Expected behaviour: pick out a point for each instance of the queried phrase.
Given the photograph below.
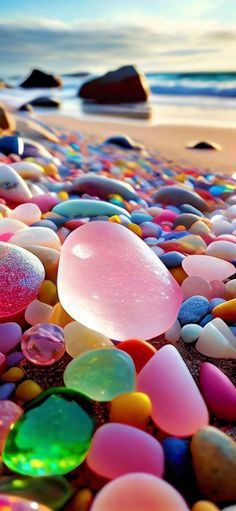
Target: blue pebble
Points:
(172, 259)
(46, 223)
(193, 309)
(216, 301)
(139, 217)
(175, 235)
(177, 456)
(206, 319)
(6, 390)
(186, 208)
(233, 329)
(190, 333)
(150, 241)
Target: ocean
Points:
(179, 98)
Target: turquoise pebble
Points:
(139, 217)
(88, 207)
(190, 333)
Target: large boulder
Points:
(124, 85)
(40, 79)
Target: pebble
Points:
(172, 259)
(192, 286)
(173, 333)
(133, 409)
(226, 310)
(88, 207)
(223, 250)
(13, 503)
(139, 350)
(12, 186)
(108, 458)
(218, 391)
(204, 505)
(26, 213)
(9, 413)
(177, 196)
(216, 340)
(193, 309)
(43, 344)
(39, 236)
(28, 390)
(10, 336)
(214, 461)
(166, 379)
(190, 332)
(208, 267)
(102, 187)
(79, 339)
(6, 390)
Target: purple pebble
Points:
(14, 359)
(6, 390)
(10, 336)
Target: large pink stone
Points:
(208, 267)
(178, 407)
(111, 281)
(138, 492)
(218, 392)
(118, 449)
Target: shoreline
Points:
(168, 139)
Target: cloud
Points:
(154, 44)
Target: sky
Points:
(97, 35)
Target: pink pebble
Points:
(121, 288)
(166, 216)
(9, 413)
(2, 363)
(138, 492)
(192, 286)
(208, 267)
(10, 336)
(44, 202)
(178, 407)
(5, 236)
(218, 391)
(218, 289)
(118, 449)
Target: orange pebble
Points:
(136, 229)
(115, 218)
(178, 273)
(180, 228)
(59, 316)
(226, 310)
(139, 350)
(204, 505)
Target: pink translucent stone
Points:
(208, 267)
(15, 503)
(178, 407)
(111, 281)
(138, 492)
(218, 391)
(9, 413)
(110, 445)
(192, 286)
(21, 274)
(43, 344)
(218, 289)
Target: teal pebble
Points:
(190, 333)
(88, 207)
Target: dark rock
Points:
(124, 142)
(7, 122)
(40, 79)
(25, 108)
(45, 102)
(205, 145)
(177, 195)
(124, 85)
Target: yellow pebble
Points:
(82, 501)
(63, 195)
(50, 169)
(115, 218)
(136, 229)
(204, 505)
(48, 293)
(13, 374)
(28, 390)
(178, 273)
(133, 408)
(59, 316)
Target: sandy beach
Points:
(170, 140)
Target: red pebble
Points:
(73, 224)
(139, 350)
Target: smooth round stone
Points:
(218, 391)
(53, 436)
(9, 413)
(50, 491)
(173, 333)
(88, 207)
(10, 336)
(178, 467)
(214, 462)
(108, 452)
(172, 259)
(222, 227)
(218, 289)
(230, 289)
(216, 301)
(149, 229)
(166, 379)
(12, 186)
(133, 409)
(190, 333)
(186, 219)
(188, 244)
(207, 267)
(139, 350)
(102, 187)
(38, 312)
(206, 319)
(216, 340)
(45, 202)
(26, 213)
(193, 310)
(2, 363)
(178, 196)
(14, 359)
(11, 225)
(13, 503)
(101, 375)
(226, 310)
(204, 505)
(43, 344)
(21, 275)
(192, 286)
(6, 390)
(27, 169)
(223, 250)
(79, 338)
(138, 492)
(39, 236)
(102, 297)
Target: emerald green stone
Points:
(101, 374)
(52, 437)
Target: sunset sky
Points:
(96, 35)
